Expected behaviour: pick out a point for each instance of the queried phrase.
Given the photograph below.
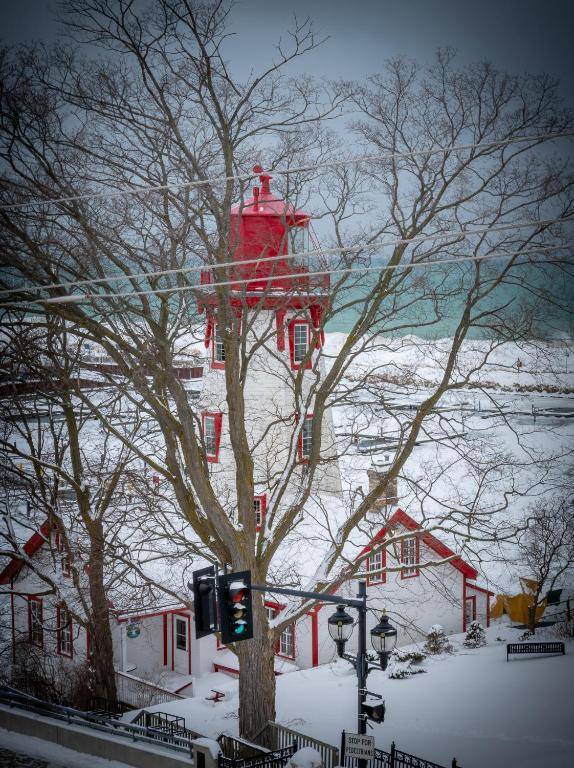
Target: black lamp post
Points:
(340, 628)
(384, 639)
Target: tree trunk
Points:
(101, 643)
(257, 678)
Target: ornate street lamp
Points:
(384, 639)
(340, 628)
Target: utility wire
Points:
(286, 171)
(455, 237)
(86, 298)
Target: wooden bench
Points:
(521, 648)
(217, 696)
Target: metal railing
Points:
(110, 726)
(281, 736)
(139, 693)
(164, 722)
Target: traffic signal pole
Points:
(361, 663)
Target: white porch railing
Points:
(141, 693)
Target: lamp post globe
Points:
(384, 639)
(340, 628)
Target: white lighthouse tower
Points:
(278, 309)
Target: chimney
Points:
(390, 496)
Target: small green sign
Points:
(133, 629)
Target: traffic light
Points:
(235, 609)
(375, 712)
(204, 601)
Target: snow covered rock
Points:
(307, 757)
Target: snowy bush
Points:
(437, 642)
(405, 663)
(475, 635)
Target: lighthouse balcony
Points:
(266, 280)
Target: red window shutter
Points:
(218, 427)
(316, 317)
(292, 343)
(208, 331)
(280, 321)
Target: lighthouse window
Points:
(306, 434)
(298, 239)
(209, 435)
(300, 341)
(218, 348)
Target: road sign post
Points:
(360, 746)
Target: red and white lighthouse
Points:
(279, 308)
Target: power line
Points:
(286, 171)
(85, 298)
(456, 236)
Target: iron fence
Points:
(396, 758)
(275, 759)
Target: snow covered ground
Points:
(54, 755)
(473, 705)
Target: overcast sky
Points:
(516, 35)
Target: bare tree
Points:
(161, 107)
(547, 547)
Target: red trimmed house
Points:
(445, 593)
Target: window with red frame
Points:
(211, 424)
(64, 628)
(259, 509)
(306, 438)
(375, 562)
(410, 557)
(35, 621)
(299, 341)
(217, 350)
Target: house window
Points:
(287, 642)
(376, 562)
(409, 556)
(35, 621)
(299, 340)
(64, 632)
(305, 438)
(218, 360)
(211, 423)
(259, 509)
(65, 558)
(181, 634)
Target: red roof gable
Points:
(431, 541)
(30, 548)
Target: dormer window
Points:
(375, 564)
(410, 557)
(64, 557)
(299, 342)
